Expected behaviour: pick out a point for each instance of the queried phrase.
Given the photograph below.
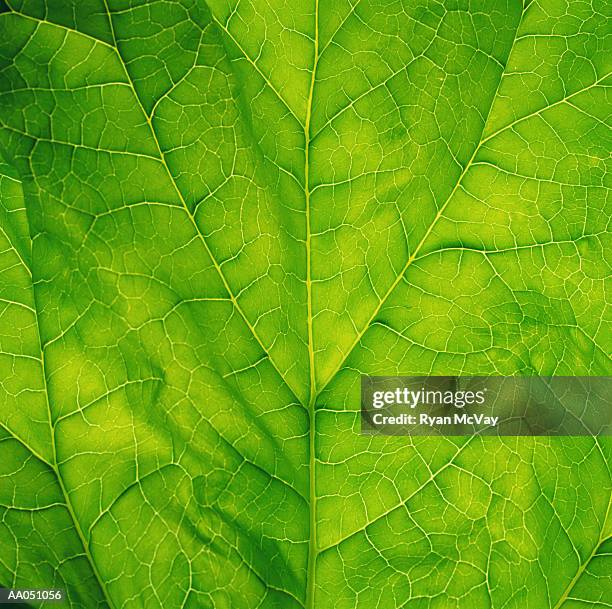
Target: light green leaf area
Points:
(214, 216)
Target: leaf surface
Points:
(215, 216)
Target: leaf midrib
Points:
(312, 490)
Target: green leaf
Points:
(215, 216)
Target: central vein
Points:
(312, 542)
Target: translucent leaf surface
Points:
(214, 216)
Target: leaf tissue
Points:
(215, 216)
